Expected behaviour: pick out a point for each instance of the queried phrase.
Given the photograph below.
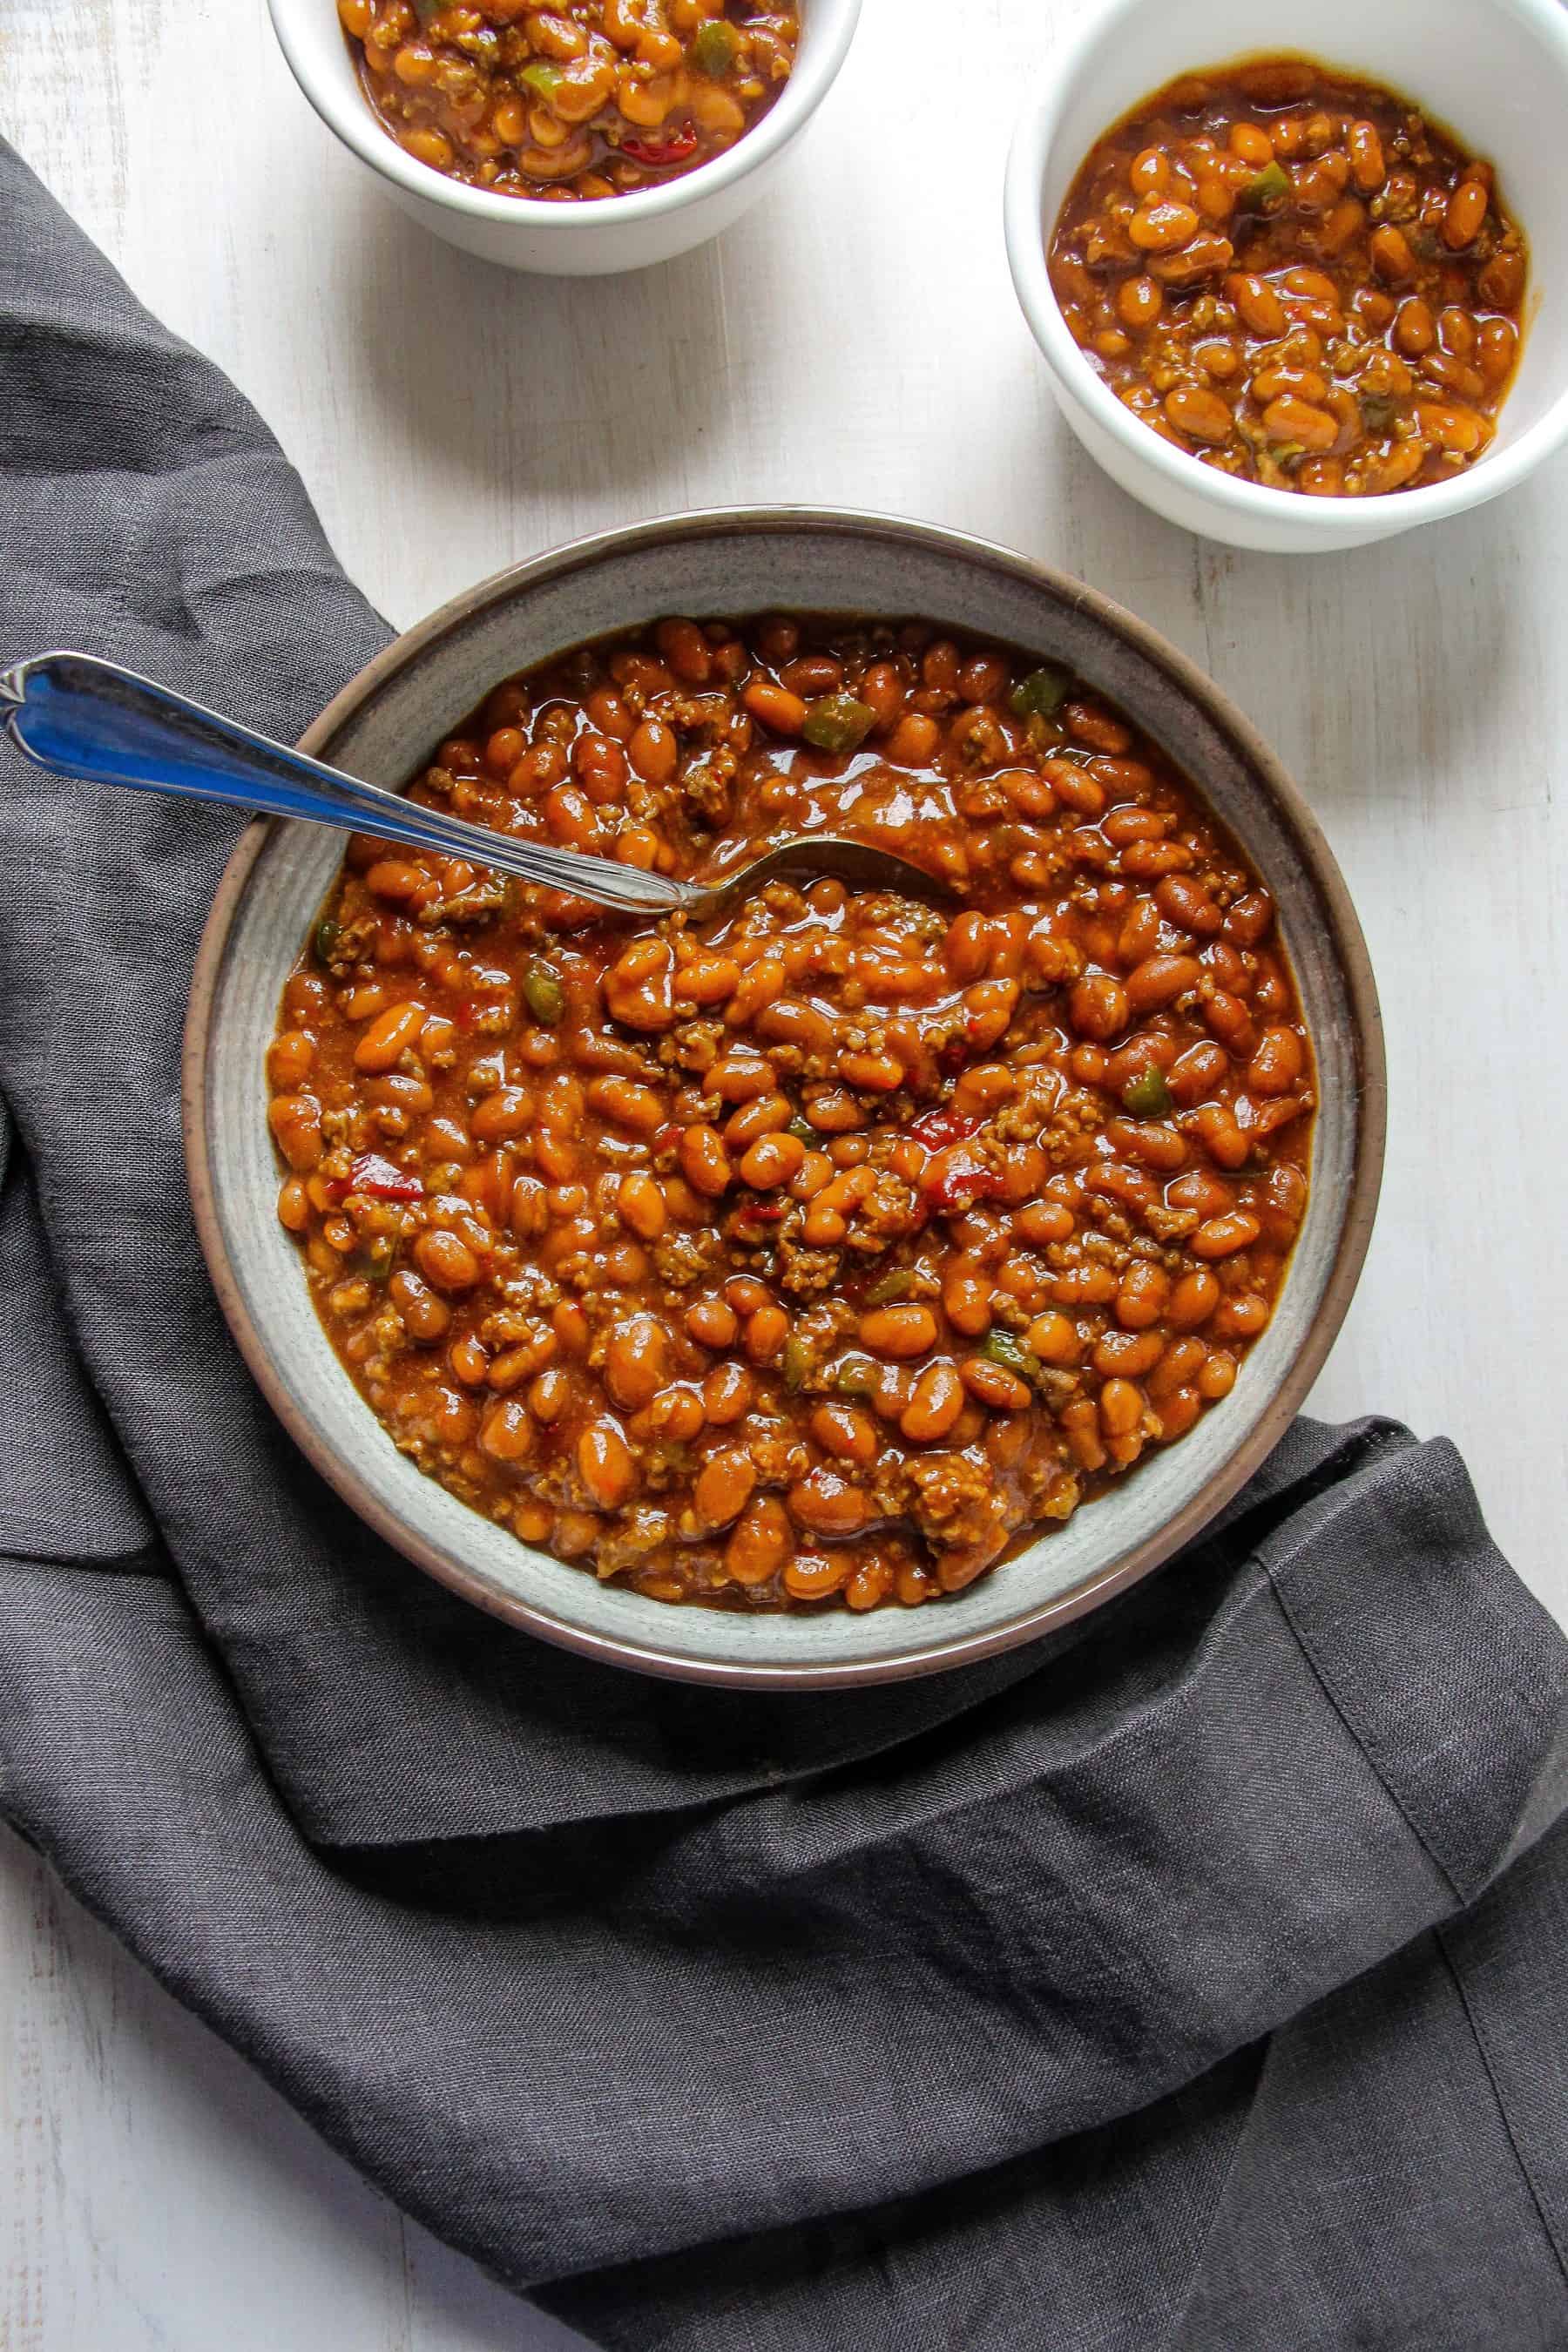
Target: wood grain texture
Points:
(855, 343)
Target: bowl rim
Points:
(948, 1646)
(347, 113)
(1329, 520)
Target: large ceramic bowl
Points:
(579, 240)
(383, 726)
(1495, 71)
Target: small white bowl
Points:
(578, 241)
(1494, 72)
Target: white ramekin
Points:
(585, 240)
(1494, 71)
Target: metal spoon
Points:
(87, 719)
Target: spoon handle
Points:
(83, 718)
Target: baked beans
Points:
(1296, 279)
(807, 1257)
(584, 99)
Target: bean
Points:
(639, 1204)
(1150, 173)
(506, 1433)
(683, 645)
(636, 1361)
(777, 709)
(390, 1036)
(604, 1466)
(1248, 920)
(1162, 225)
(788, 1021)
(293, 1206)
(966, 1298)
(1126, 1355)
(1210, 1196)
(773, 1161)
(1188, 905)
(937, 1402)
(728, 1391)
(446, 1261)
(1054, 1339)
(1496, 350)
(898, 1332)
(845, 1432)
(814, 1576)
(1203, 255)
(623, 1100)
(1391, 254)
(550, 1394)
(1258, 305)
(1454, 428)
(1040, 1223)
(1182, 1360)
(740, 1077)
(296, 1124)
(1080, 1426)
(1241, 1319)
(993, 1386)
(1139, 302)
(1097, 1006)
(763, 1115)
(826, 1504)
(713, 1323)
(765, 1334)
(704, 1162)
(425, 1317)
(1229, 1019)
(500, 1117)
(1289, 418)
(1218, 1377)
(913, 741)
(1142, 1298)
(1084, 1286)
(872, 1072)
(724, 1487)
(1467, 211)
(1221, 1236)
(1277, 1063)
(289, 1060)
(1501, 281)
(1159, 981)
(1365, 148)
(1215, 1126)
(707, 980)
(1200, 414)
(1120, 1408)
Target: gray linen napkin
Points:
(1165, 1985)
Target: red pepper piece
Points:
(370, 1173)
(675, 149)
(956, 1180)
(944, 1125)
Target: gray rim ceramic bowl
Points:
(383, 726)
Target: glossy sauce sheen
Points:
(811, 1257)
(586, 98)
(1295, 277)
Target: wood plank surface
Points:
(857, 342)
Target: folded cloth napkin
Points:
(1197, 1979)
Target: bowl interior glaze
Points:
(383, 726)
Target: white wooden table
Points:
(855, 343)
